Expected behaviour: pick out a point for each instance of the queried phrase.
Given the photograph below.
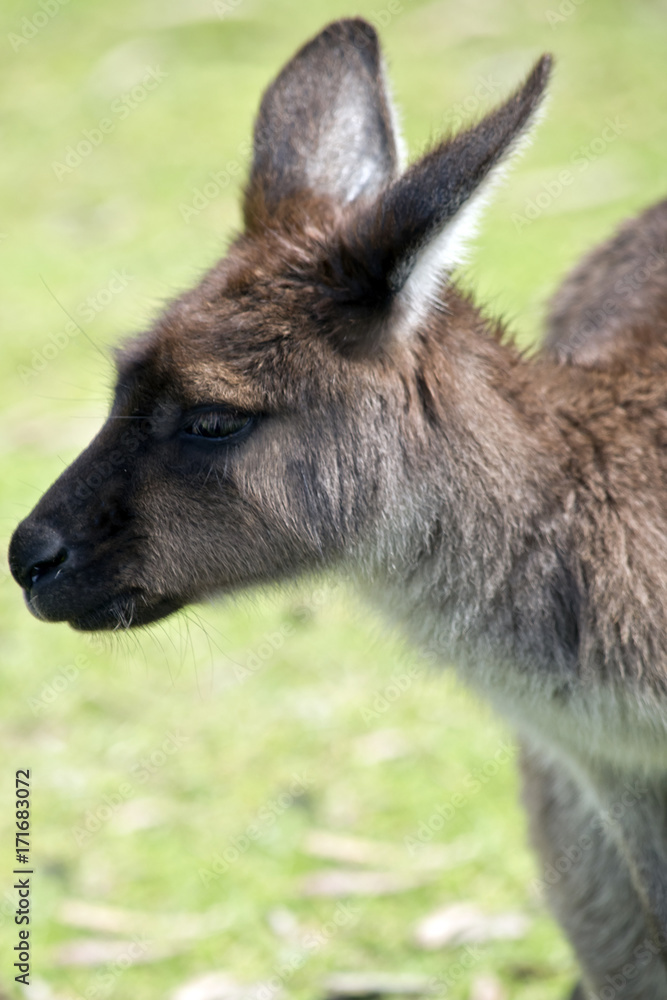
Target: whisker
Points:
(69, 315)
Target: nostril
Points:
(37, 551)
(45, 566)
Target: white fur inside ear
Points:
(395, 118)
(365, 180)
(450, 247)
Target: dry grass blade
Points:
(487, 988)
(216, 986)
(464, 923)
(350, 850)
(163, 927)
(99, 951)
(349, 882)
(372, 984)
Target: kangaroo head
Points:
(269, 422)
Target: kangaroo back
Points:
(615, 299)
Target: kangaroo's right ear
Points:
(394, 256)
(325, 125)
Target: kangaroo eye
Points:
(217, 425)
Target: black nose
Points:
(36, 553)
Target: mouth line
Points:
(124, 612)
(121, 612)
(32, 607)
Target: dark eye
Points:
(217, 425)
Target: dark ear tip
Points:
(355, 25)
(541, 71)
(531, 92)
(352, 30)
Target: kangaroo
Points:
(328, 398)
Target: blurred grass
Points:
(310, 706)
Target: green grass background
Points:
(310, 706)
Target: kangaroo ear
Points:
(325, 125)
(399, 250)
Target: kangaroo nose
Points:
(35, 554)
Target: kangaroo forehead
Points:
(152, 368)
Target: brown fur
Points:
(511, 511)
(615, 300)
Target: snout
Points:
(84, 554)
(38, 556)
(37, 553)
(66, 580)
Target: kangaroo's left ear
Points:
(326, 125)
(398, 251)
